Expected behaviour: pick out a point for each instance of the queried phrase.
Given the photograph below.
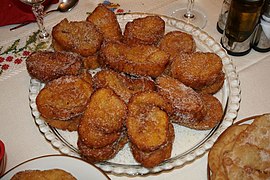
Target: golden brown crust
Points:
(215, 87)
(91, 62)
(147, 121)
(124, 86)
(187, 105)
(141, 60)
(177, 42)
(106, 111)
(56, 46)
(94, 138)
(70, 124)
(46, 66)
(94, 155)
(55, 174)
(213, 116)
(103, 119)
(154, 158)
(64, 98)
(197, 70)
(81, 37)
(106, 22)
(147, 30)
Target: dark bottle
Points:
(241, 22)
(261, 41)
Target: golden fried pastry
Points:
(177, 42)
(93, 137)
(197, 70)
(244, 173)
(81, 37)
(106, 22)
(242, 151)
(124, 86)
(147, 30)
(46, 66)
(147, 122)
(64, 98)
(154, 158)
(216, 152)
(259, 128)
(106, 111)
(213, 116)
(247, 156)
(54, 174)
(87, 77)
(94, 155)
(215, 87)
(103, 119)
(144, 60)
(188, 107)
(70, 124)
(56, 46)
(91, 62)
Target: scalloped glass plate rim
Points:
(230, 102)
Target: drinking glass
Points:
(191, 15)
(37, 9)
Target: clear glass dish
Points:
(189, 144)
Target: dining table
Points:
(23, 139)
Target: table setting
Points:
(30, 142)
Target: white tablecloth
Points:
(21, 136)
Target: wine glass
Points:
(37, 9)
(191, 15)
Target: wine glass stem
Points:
(38, 12)
(190, 6)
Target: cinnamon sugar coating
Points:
(123, 85)
(81, 37)
(148, 30)
(106, 22)
(46, 65)
(197, 70)
(64, 98)
(143, 60)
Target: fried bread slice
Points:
(144, 60)
(55, 174)
(147, 121)
(81, 37)
(91, 62)
(70, 124)
(64, 98)
(188, 107)
(147, 30)
(106, 22)
(177, 42)
(213, 115)
(46, 65)
(154, 158)
(123, 85)
(106, 111)
(197, 70)
(94, 155)
(215, 87)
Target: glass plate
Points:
(189, 144)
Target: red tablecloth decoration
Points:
(14, 11)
